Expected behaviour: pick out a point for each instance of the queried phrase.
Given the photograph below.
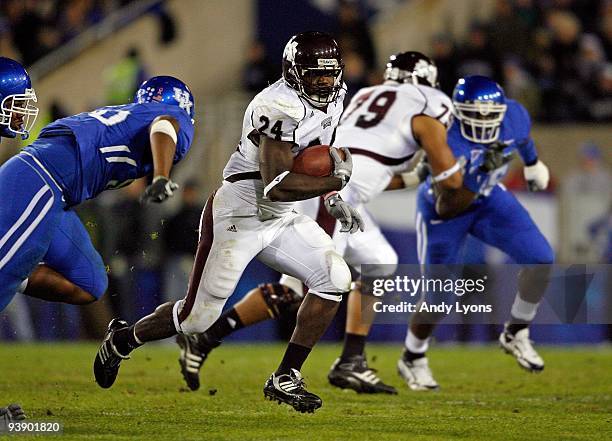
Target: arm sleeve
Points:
(524, 142)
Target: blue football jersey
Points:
(514, 134)
(112, 147)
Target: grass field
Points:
(484, 396)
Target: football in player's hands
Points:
(315, 161)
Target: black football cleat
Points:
(355, 374)
(9, 414)
(194, 351)
(108, 359)
(291, 389)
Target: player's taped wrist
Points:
(166, 127)
(326, 196)
(447, 173)
(277, 180)
(158, 177)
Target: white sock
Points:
(523, 310)
(415, 344)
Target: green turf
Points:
(484, 396)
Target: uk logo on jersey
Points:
(182, 97)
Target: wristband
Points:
(447, 173)
(326, 196)
(277, 180)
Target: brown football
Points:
(315, 161)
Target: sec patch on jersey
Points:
(315, 161)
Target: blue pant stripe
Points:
(24, 236)
(24, 215)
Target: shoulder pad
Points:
(280, 99)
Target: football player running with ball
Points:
(251, 216)
(383, 126)
(490, 129)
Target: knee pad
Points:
(204, 312)
(338, 280)
(339, 272)
(280, 299)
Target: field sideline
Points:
(484, 396)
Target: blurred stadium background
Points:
(554, 56)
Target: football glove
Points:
(418, 174)
(349, 218)
(160, 189)
(537, 176)
(494, 157)
(13, 412)
(342, 168)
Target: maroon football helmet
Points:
(412, 67)
(312, 65)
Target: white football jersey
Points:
(377, 128)
(280, 113)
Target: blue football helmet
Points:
(167, 90)
(480, 106)
(17, 113)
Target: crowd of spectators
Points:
(555, 56)
(33, 28)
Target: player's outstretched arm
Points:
(280, 184)
(431, 135)
(163, 137)
(446, 172)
